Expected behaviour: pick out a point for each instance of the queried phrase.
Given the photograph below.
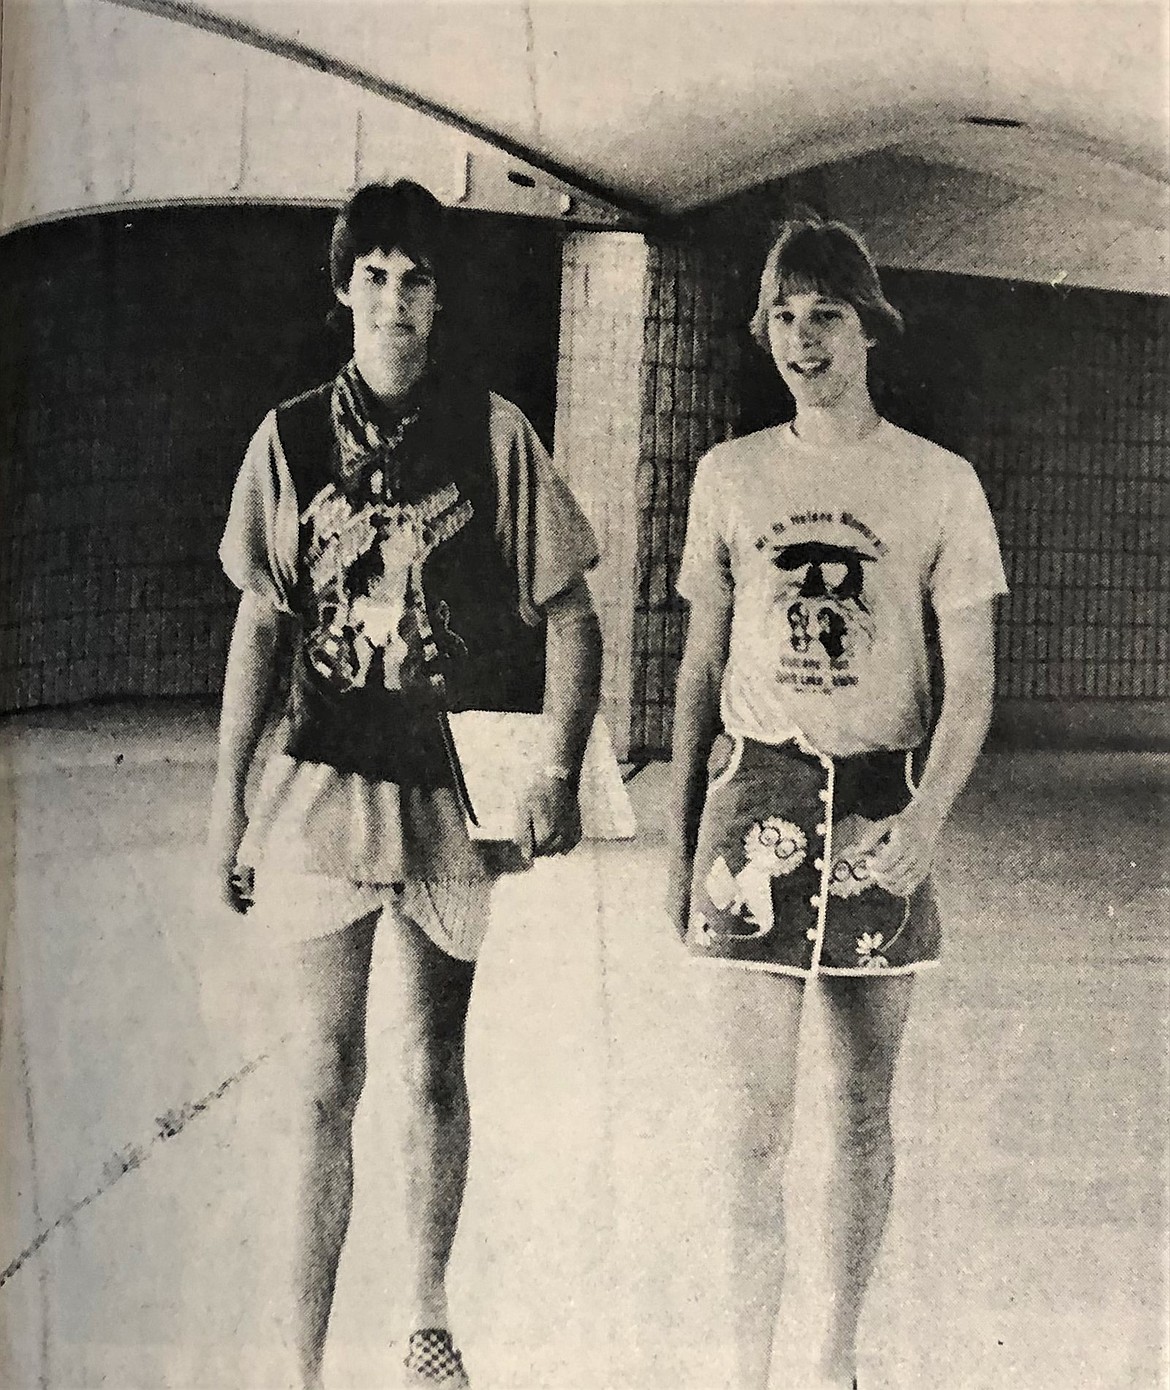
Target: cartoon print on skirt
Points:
(763, 893)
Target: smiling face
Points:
(819, 347)
(394, 301)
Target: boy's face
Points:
(819, 347)
(393, 300)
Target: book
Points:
(501, 754)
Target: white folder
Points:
(502, 753)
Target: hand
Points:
(901, 849)
(553, 815)
(233, 881)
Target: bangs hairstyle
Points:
(401, 216)
(826, 258)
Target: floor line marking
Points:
(34, 1179)
(129, 1158)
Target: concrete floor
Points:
(144, 1148)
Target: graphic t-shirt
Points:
(364, 566)
(307, 816)
(831, 560)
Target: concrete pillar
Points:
(646, 384)
(604, 291)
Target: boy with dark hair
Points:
(403, 533)
(818, 555)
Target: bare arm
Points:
(572, 689)
(966, 636)
(572, 685)
(249, 682)
(696, 721)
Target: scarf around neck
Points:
(367, 452)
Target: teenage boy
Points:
(818, 556)
(401, 532)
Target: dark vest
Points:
(488, 656)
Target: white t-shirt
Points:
(831, 559)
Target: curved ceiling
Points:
(1016, 139)
(678, 104)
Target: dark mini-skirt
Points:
(775, 886)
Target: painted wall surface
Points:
(142, 351)
(677, 105)
(101, 106)
(1023, 208)
(1062, 177)
(606, 283)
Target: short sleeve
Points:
(541, 528)
(967, 567)
(258, 551)
(706, 559)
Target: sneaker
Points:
(433, 1363)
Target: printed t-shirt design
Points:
(831, 561)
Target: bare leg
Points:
(434, 993)
(751, 1040)
(866, 1019)
(329, 1058)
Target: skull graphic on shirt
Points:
(823, 596)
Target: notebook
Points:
(502, 753)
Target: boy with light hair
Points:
(809, 787)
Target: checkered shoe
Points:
(432, 1362)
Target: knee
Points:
(330, 1074)
(432, 1079)
(862, 1120)
(764, 1134)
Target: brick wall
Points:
(1061, 400)
(1058, 397)
(690, 402)
(141, 350)
(1070, 432)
